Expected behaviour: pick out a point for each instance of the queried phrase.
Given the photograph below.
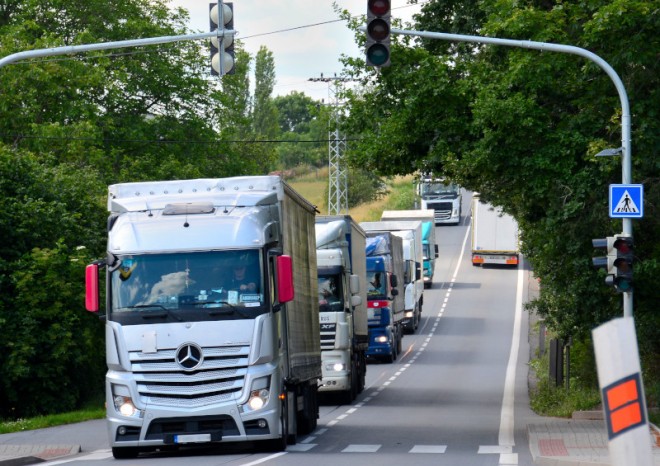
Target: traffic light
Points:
(223, 55)
(622, 256)
(618, 262)
(378, 32)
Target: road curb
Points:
(21, 455)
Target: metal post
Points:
(337, 170)
(70, 49)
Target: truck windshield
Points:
(193, 286)
(437, 188)
(376, 285)
(330, 294)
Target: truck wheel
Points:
(125, 453)
(307, 418)
(279, 444)
(362, 377)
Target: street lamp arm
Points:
(67, 50)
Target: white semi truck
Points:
(342, 273)
(212, 323)
(429, 243)
(494, 235)
(413, 280)
(441, 196)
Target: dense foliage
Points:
(70, 126)
(522, 128)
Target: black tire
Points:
(362, 379)
(125, 453)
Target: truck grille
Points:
(442, 209)
(328, 335)
(220, 377)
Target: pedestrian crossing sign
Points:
(626, 201)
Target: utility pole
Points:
(337, 170)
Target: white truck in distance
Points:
(342, 266)
(443, 197)
(212, 323)
(494, 235)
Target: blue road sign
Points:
(626, 200)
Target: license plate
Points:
(192, 438)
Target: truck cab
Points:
(443, 197)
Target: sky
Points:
(304, 52)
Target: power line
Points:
(170, 141)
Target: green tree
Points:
(72, 125)
(304, 131)
(522, 127)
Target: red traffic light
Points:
(378, 7)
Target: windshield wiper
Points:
(156, 314)
(232, 309)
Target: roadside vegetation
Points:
(520, 127)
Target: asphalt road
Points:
(457, 395)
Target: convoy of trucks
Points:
(342, 282)
(413, 281)
(429, 244)
(212, 322)
(494, 235)
(443, 197)
(229, 305)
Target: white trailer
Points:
(411, 234)
(342, 266)
(429, 242)
(494, 235)
(212, 326)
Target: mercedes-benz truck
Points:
(211, 315)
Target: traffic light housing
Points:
(378, 32)
(223, 56)
(618, 262)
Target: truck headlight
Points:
(123, 402)
(336, 367)
(382, 339)
(409, 313)
(259, 395)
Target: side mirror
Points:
(285, 291)
(394, 282)
(356, 300)
(395, 292)
(436, 251)
(92, 288)
(354, 283)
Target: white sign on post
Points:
(622, 392)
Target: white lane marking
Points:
(361, 449)
(506, 436)
(428, 449)
(267, 458)
(299, 447)
(493, 449)
(509, 459)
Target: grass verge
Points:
(51, 420)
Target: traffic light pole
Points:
(626, 154)
(71, 49)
